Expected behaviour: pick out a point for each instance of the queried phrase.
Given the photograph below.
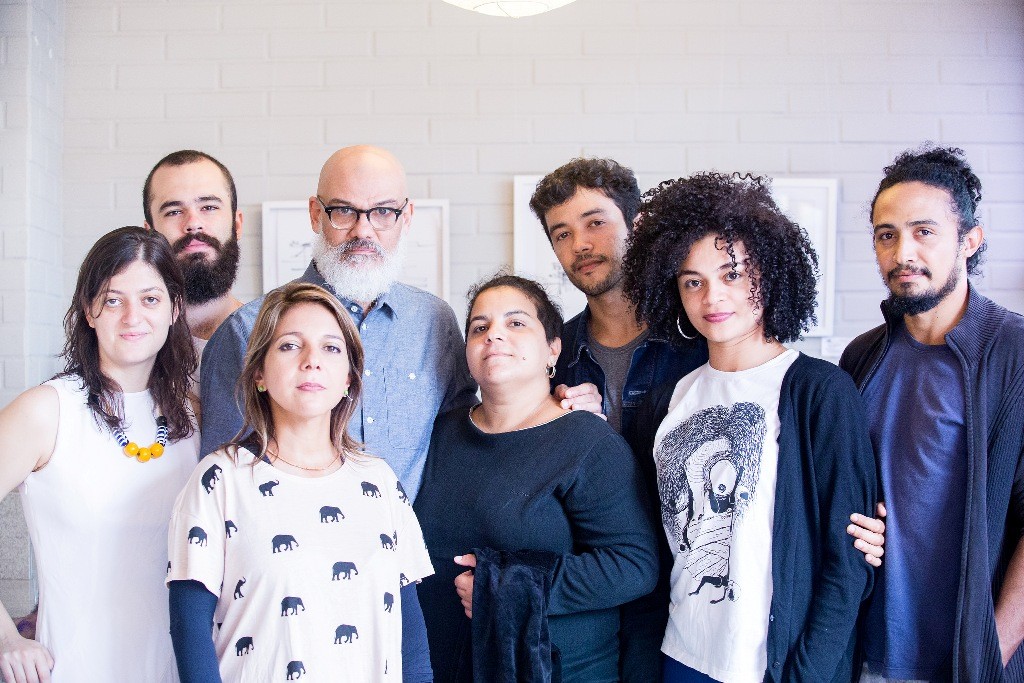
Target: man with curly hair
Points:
(943, 380)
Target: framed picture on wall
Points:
(812, 202)
(288, 244)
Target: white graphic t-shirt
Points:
(307, 570)
(717, 455)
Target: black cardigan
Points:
(826, 471)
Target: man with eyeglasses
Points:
(414, 364)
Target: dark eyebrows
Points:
(890, 226)
(585, 214)
(176, 203)
(728, 265)
(508, 314)
(154, 288)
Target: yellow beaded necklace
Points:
(144, 454)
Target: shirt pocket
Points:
(413, 397)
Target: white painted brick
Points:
(378, 130)
(442, 159)
(389, 100)
(291, 15)
(12, 340)
(909, 129)
(571, 17)
(167, 134)
(294, 160)
(838, 98)
(769, 159)
(87, 76)
(216, 46)
(686, 128)
(989, 70)
(940, 44)
(374, 15)
(525, 159)
(494, 218)
(828, 43)
(89, 195)
(925, 99)
(215, 104)
(660, 159)
(558, 99)
(476, 188)
(103, 48)
(606, 128)
(481, 129)
(1005, 43)
(857, 248)
(167, 76)
(488, 70)
(1006, 158)
(300, 44)
(685, 70)
(1002, 187)
(700, 13)
(434, 42)
(462, 220)
(736, 41)
(1012, 299)
(888, 70)
(114, 164)
(15, 243)
(770, 128)
(15, 18)
(1004, 245)
(1006, 99)
(512, 41)
(633, 99)
(377, 71)
(859, 277)
(329, 102)
(1007, 276)
(982, 128)
(106, 106)
(734, 99)
(170, 18)
(836, 158)
(615, 42)
(788, 70)
(276, 74)
(276, 131)
(789, 14)
(860, 306)
(855, 192)
(919, 16)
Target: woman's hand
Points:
(870, 535)
(464, 582)
(23, 660)
(580, 397)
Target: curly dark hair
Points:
(548, 313)
(947, 169)
(782, 264)
(607, 176)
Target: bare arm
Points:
(28, 432)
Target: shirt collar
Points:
(393, 301)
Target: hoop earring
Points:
(551, 372)
(681, 333)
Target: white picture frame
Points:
(812, 202)
(287, 245)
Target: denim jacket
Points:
(654, 362)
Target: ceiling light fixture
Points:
(509, 8)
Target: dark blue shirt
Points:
(915, 405)
(655, 361)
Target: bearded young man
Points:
(190, 198)
(943, 384)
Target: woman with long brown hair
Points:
(303, 549)
(99, 453)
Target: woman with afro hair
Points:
(761, 454)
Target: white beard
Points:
(357, 277)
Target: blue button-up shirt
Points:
(655, 361)
(415, 368)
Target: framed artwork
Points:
(811, 202)
(288, 244)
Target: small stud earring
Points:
(260, 388)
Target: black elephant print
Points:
(283, 542)
(244, 646)
(295, 670)
(229, 528)
(402, 496)
(389, 602)
(168, 566)
(344, 634)
(267, 487)
(238, 588)
(345, 568)
(291, 605)
(329, 513)
(198, 535)
(370, 490)
(403, 580)
(210, 477)
(386, 542)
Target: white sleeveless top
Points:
(98, 523)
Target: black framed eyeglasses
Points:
(381, 218)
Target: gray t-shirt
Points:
(615, 364)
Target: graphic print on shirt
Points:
(329, 513)
(267, 488)
(344, 634)
(389, 602)
(243, 646)
(370, 489)
(229, 527)
(211, 476)
(402, 496)
(345, 568)
(295, 670)
(284, 542)
(290, 605)
(198, 535)
(238, 588)
(708, 468)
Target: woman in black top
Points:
(519, 473)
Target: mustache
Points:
(180, 244)
(581, 260)
(908, 270)
(360, 243)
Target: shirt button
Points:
(363, 326)
(412, 375)
(367, 372)
(369, 420)
(771, 617)
(354, 309)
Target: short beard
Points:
(598, 288)
(207, 279)
(915, 304)
(348, 277)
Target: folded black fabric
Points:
(511, 642)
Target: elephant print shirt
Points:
(716, 454)
(307, 571)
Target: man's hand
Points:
(582, 397)
(870, 535)
(464, 582)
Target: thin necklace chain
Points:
(307, 469)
